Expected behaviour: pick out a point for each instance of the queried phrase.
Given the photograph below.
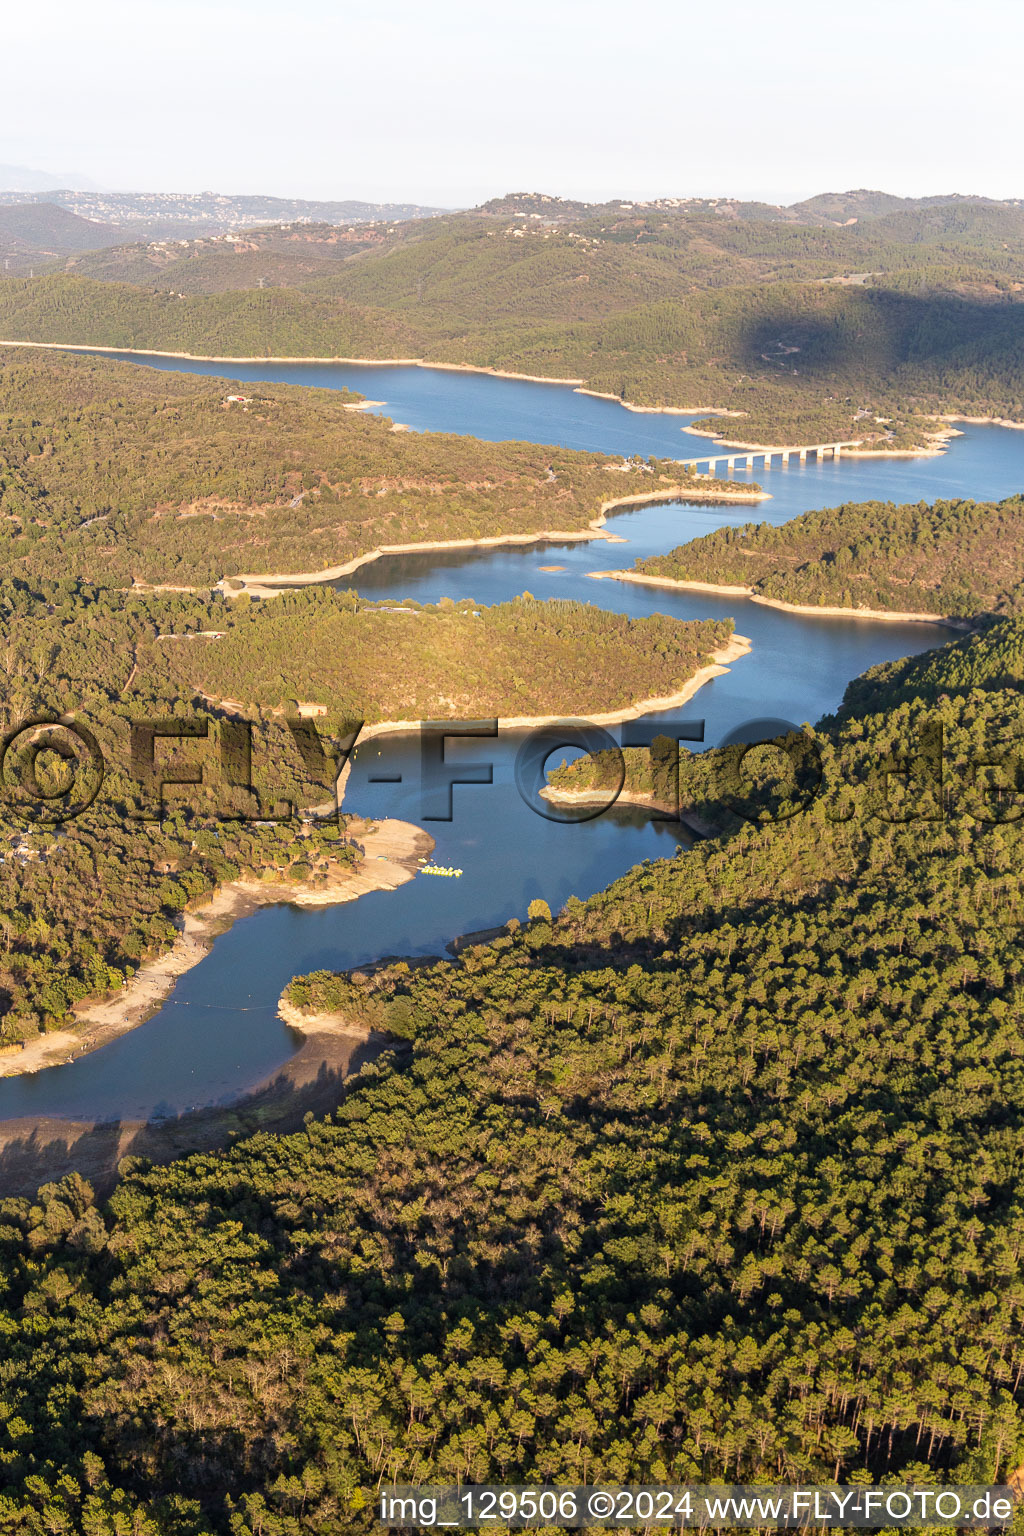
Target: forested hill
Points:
(957, 559)
(713, 1177)
(992, 661)
(404, 662)
(277, 257)
(32, 233)
(116, 474)
(816, 326)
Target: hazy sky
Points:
(453, 101)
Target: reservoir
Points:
(218, 1034)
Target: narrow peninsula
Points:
(947, 562)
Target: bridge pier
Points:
(723, 464)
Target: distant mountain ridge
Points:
(840, 207)
(172, 214)
(23, 178)
(823, 209)
(35, 235)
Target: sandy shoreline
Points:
(983, 421)
(273, 584)
(579, 386)
(812, 610)
(390, 860)
(322, 1023)
(646, 802)
(358, 362)
(934, 448)
(719, 664)
(391, 852)
(669, 581)
(35, 1148)
(878, 615)
(643, 410)
(939, 442)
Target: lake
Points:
(218, 1034)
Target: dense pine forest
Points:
(956, 559)
(812, 326)
(715, 1175)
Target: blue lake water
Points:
(218, 1034)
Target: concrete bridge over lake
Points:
(744, 459)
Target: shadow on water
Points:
(38, 1150)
